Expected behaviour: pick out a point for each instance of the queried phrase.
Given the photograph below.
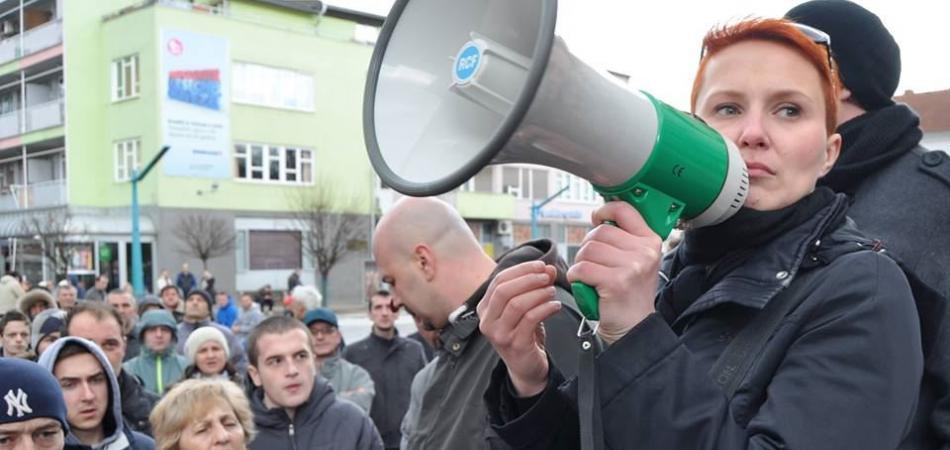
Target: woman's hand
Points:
(621, 263)
(518, 299)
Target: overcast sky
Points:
(657, 42)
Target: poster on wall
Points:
(195, 86)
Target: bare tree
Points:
(52, 228)
(204, 236)
(328, 233)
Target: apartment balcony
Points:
(44, 115)
(34, 195)
(39, 116)
(34, 40)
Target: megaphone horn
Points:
(456, 85)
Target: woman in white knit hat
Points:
(207, 352)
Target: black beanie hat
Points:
(867, 55)
(205, 296)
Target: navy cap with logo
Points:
(322, 315)
(29, 391)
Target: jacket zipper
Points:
(293, 442)
(158, 375)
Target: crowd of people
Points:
(787, 326)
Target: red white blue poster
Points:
(195, 98)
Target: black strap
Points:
(736, 360)
(588, 396)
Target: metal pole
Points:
(536, 211)
(138, 276)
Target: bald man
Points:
(438, 270)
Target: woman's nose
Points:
(752, 133)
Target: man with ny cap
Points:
(899, 189)
(91, 393)
(32, 413)
(198, 309)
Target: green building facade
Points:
(260, 102)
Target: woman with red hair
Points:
(840, 370)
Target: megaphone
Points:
(455, 85)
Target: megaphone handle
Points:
(659, 211)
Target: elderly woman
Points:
(207, 352)
(202, 415)
(841, 371)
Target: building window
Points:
(579, 189)
(125, 78)
(272, 163)
(127, 156)
(273, 250)
(525, 182)
(268, 86)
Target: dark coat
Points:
(452, 415)
(905, 206)
(137, 403)
(322, 423)
(391, 364)
(841, 372)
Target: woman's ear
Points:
(832, 151)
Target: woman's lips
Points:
(756, 169)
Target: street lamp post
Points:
(536, 211)
(138, 275)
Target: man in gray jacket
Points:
(294, 408)
(350, 381)
(438, 270)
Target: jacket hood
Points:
(34, 297)
(321, 398)
(157, 318)
(537, 250)
(113, 430)
(36, 329)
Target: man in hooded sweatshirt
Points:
(294, 409)
(91, 392)
(158, 364)
(198, 309)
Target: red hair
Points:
(783, 32)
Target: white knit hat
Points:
(202, 335)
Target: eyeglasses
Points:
(817, 36)
(323, 331)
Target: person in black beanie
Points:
(899, 190)
(35, 410)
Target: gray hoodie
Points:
(117, 435)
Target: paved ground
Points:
(355, 326)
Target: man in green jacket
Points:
(158, 365)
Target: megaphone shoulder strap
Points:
(588, 396)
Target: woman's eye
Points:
(727, 110)
(789, 111)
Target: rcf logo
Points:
(175, 46)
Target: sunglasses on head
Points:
(817, 36)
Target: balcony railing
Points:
(44, 115)
(9, 124)
(34, 40)
(43, 37)
(34, 195)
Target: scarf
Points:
(707, 254)
(870, 142)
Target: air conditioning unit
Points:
(513, 191)
(504, 227)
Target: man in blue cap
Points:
(349, 380)
(33, 413)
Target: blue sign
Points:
(467, 62)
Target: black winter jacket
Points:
(841, 372)
(391, 363)
(322, 423)
(137, 403)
